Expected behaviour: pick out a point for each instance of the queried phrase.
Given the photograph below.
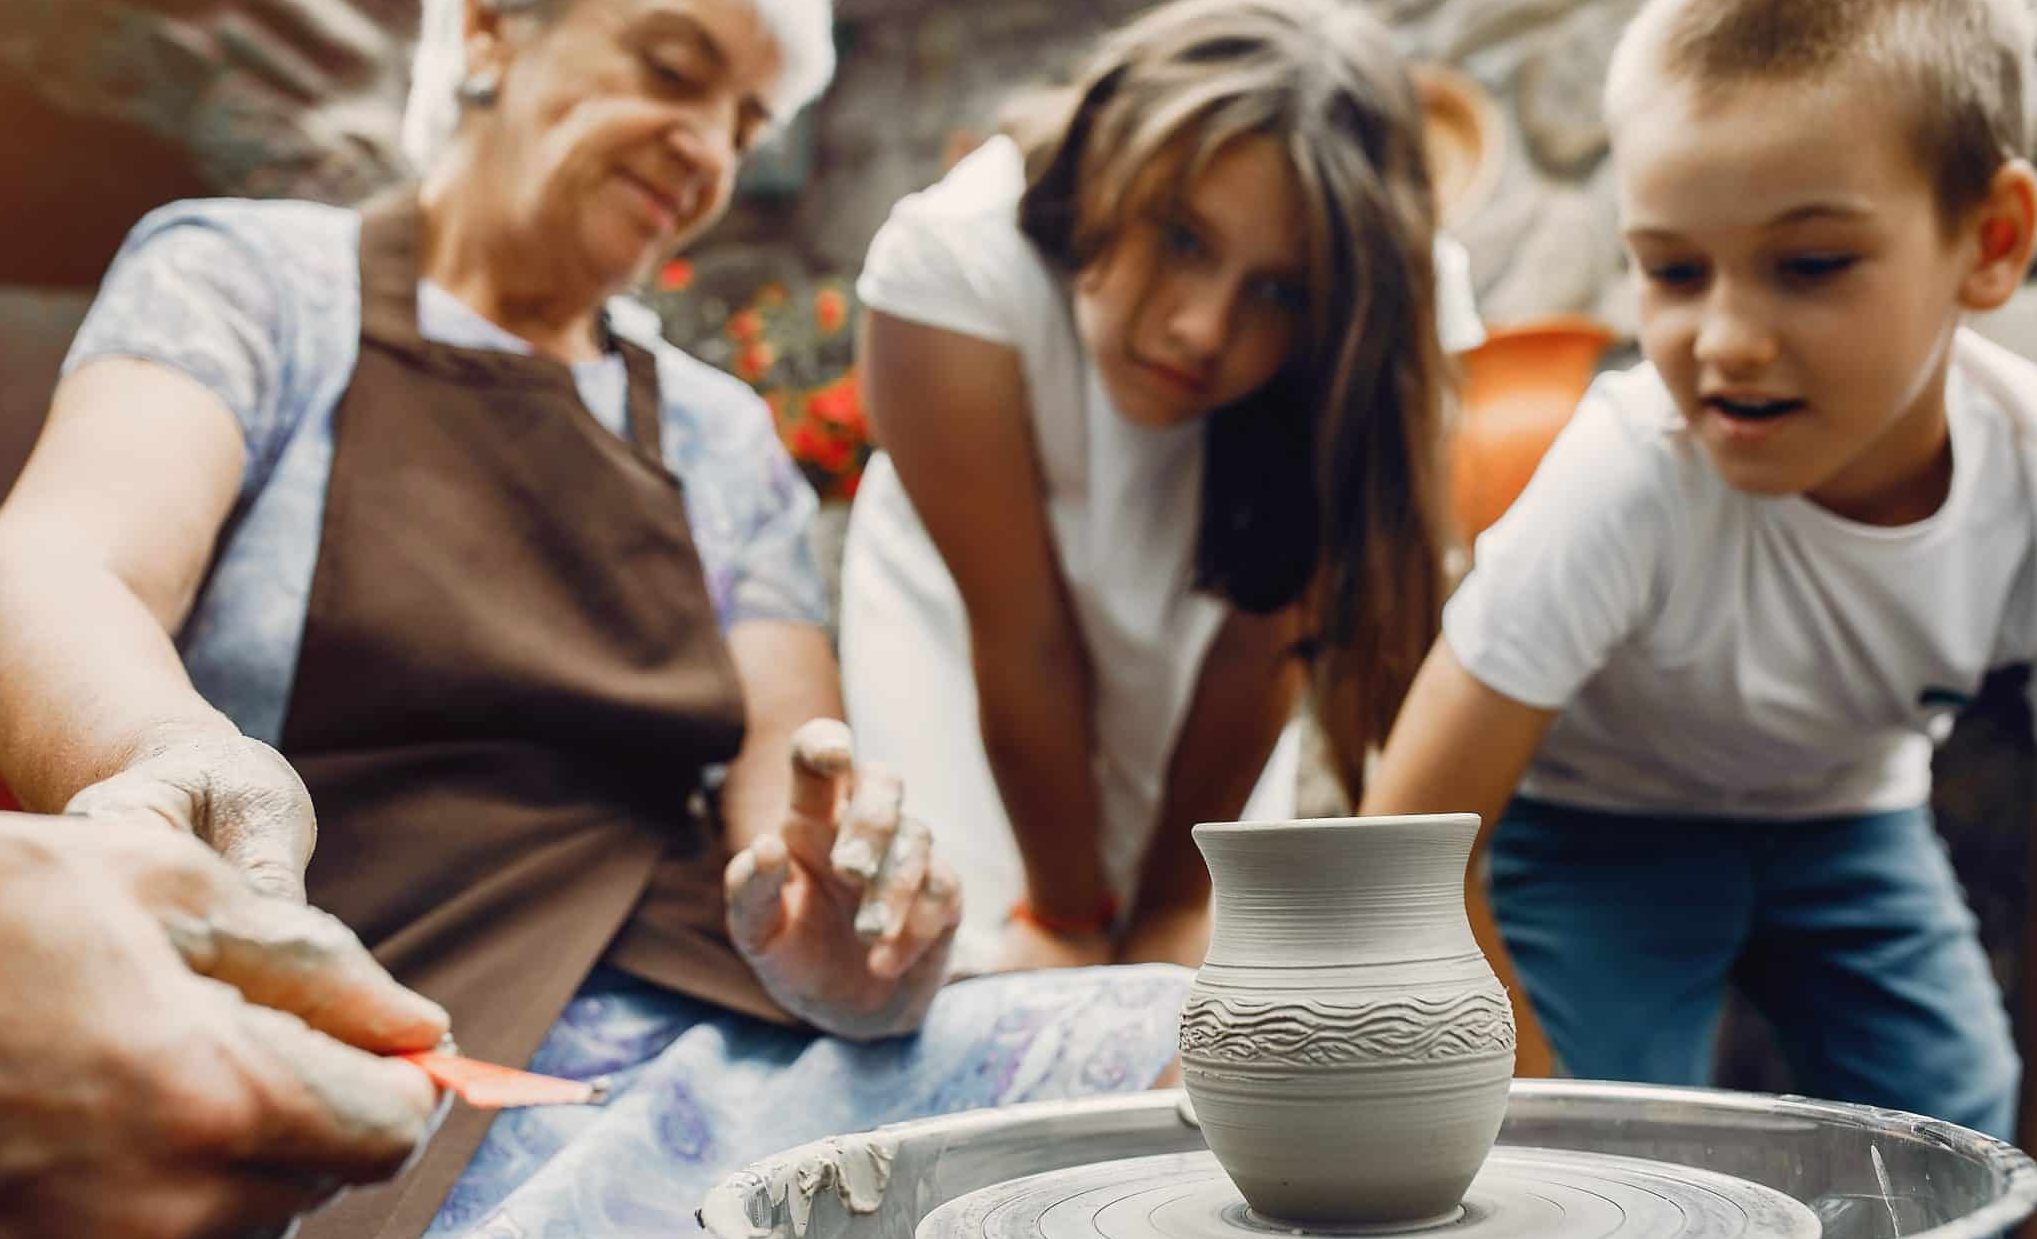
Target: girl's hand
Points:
(1167, 936)
(1025, 945)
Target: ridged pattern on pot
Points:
(1404, 1028)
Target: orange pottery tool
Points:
(486, 1086)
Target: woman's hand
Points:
(178, 1056)
(234, 793)
(844, 912)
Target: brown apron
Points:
(511, 677)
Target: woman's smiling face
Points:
(620, 124)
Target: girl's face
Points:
(1197, 305)
(621, 125)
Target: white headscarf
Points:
(804, 30)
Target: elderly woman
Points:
(407, 498)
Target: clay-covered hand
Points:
(175, 1053)
(844, 912)
(1024, 945)
(236, 794)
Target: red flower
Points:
(836, 454)
(771, 295)
(754, 361)
(674, 276)
(830, 310)
(745, 326)
(806, 443)
(840, 404)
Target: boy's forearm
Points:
(1460, 747)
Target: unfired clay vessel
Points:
(1346, 1046)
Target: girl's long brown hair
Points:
(1324, 487)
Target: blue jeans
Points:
(1849, 934)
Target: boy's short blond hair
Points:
(1958, 67)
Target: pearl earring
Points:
(481, 89)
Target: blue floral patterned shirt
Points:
(260, 302)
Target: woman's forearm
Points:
(103, 546)
(788, 675)
(1038, 735)
(89, 679)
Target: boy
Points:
(1722, 628)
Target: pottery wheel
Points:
(1520, 1193)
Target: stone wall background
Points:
(113, 106)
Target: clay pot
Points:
(1520, 388)
(1346, 1046)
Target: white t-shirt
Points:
(1719, 653)
(1122, 504)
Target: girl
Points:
(1156, 376)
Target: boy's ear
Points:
(2005, 230)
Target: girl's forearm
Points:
(1038, 735)
(1244, 696)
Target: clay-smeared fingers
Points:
(333, 1109)
(754, 885)
(134, 793)
(822, 758)
(868, 827)
(889, 900)
(929, 923)
(276, 952)
(259, 817)
(822, 754)
(237, 795)
(301, 960)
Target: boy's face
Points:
(1798, 290)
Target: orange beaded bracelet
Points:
(1106, 916)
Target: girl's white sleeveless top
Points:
(1122, 504)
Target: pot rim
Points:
(1308, 825)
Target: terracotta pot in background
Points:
(1520, 387)
(1346, 1045)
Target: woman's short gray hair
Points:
(804, 29)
